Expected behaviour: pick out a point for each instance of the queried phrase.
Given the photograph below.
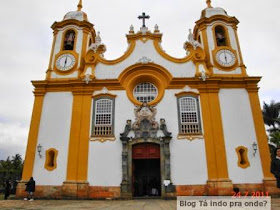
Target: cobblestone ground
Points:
(148, 204)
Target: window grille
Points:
(189, 119)
(145, 92)
(103, 118)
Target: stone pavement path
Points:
(145, 204)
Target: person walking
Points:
(7, 189)
(30, 188)
(275, 167)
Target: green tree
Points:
(275, 138)
(271, 116)
(11, 169)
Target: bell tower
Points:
(72, 37)
(217, 32)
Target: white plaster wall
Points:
(103, 71)
(55, 75)
(54, 132)
(239, 130)
(235, 71)
(104, 165)
(233, 42)
(187, 157)
(57, 46)
(79, 45)
(211, 41)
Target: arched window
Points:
(189, 119)
(51, 155)
(103, 117)
(69, 40)
(221, 38)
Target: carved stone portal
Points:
(145, 130)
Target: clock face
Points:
(225, 58)
(65, 62)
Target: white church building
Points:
(147, 123)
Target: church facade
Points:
(147, 123)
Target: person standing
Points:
(275, 167)
(7, 189)
(30, 188)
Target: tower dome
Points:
(212, 11)
(77, 15)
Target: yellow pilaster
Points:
(218, 181)
(206, 46)
(214, 136)
(79, 137)
(84, 48)
(84, 138)
(260, 132)
(208, 136)
(48, 75)
(33, 135)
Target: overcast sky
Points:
(26, 39)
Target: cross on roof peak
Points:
(144, 16)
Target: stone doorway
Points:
(145, 131)
(146, 178)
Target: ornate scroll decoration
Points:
(145, 125)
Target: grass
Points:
(11, 197)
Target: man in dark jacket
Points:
(30, 188)
(275, 167)
(7, 189)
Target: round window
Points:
(145, 92)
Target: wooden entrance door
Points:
(146, 169)
(146, 151)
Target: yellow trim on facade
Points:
(143, 37)
(32, 137)
(243, 161)
(139, 73)
(213, 133)
(118, 60)
(84, 138)
(103, 139)
(49, 159)
(104, 95)
(170, 58)
(186, 93)
(243, 67)
(206, 47)
(73, 151)
(79, 136)
(211, 157)
(48, 75)
(82, 24)
(86, 33)
(260, 131)
(203, 22)
(190, 137)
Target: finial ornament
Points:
(208, 2)
(80, 5)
